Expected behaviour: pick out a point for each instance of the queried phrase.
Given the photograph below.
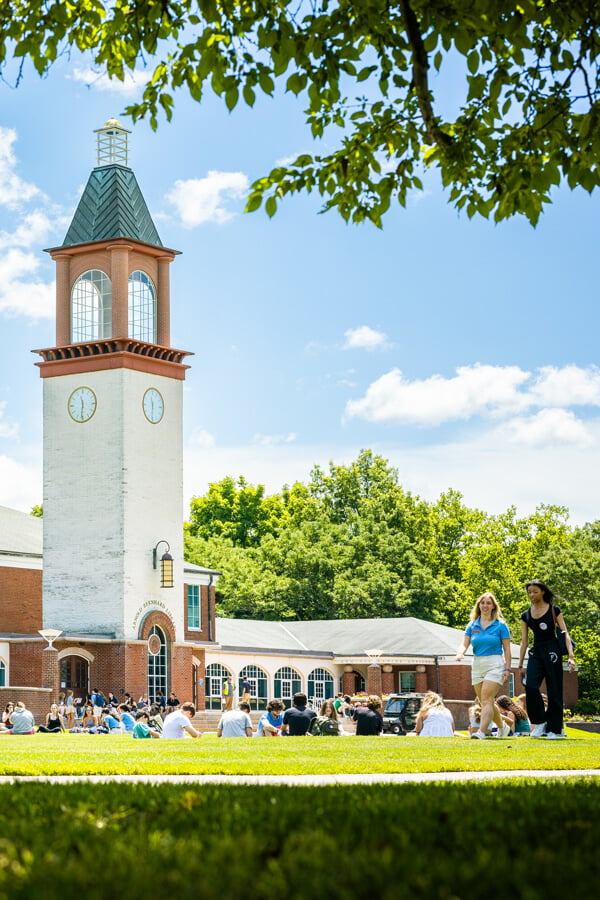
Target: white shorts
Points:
(488, 668)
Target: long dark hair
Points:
(548, 595)
(516, 709)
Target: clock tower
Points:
(113, 483)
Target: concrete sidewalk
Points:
(305, 780)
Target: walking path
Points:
(305, 780)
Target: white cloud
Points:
(13, 190)
(482, 390)
(132, 83)
(32, 230)
(7, 429)
(549, 427)
(201, 438)
(21, 482)
(474, 390)
(17, 297)
(365, 338)
(271, 440)
(200, 200)
(569, 386)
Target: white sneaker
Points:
(538, 731)
(554, 737)
(479, 735)
(504, 731)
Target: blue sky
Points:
(463, 352)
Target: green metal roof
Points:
(112, 206)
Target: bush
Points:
(587, 707)
(426, 841)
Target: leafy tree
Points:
(37, 510)
(520, 114)
(236, 510)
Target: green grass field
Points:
(507, 838)
(82, 754)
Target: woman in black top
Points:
(545, 661)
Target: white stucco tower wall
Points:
(112, 491)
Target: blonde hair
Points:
(323, 711)
(496, 611)
(432, 700)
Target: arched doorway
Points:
(75, 675)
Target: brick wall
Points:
(203, 633)
(20, 600)
(26, 663)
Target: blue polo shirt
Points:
(487, 641)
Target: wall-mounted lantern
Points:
(166, 565)
(50, 635)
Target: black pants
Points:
(545, 662)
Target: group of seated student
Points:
(512, 714)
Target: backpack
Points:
(323, 725)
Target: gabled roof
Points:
(112, 206)
(342, 637)
(20, 533)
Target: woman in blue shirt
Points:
(490, 638)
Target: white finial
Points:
(112, 143)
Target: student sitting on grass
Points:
(269, 724)
(434, 718)
(127, 720)
(54, 723)
(514, 715)
(142, 728)
(236, 722)
(110, 720)
(8, 711)
(22, 720)
(369, 720)
(178, 724)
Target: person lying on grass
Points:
(142, 727)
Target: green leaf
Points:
(231, 98)
(271, 206)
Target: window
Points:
(408, 682)
(320, 686)
(287, 683)
(91, 307)
(157, 663)
(215, 676)
(142, 307)
(258, 690)
(193, 606)
(2, 674)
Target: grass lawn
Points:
(83, 754)
(487, 840)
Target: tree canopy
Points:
(352, 543)
(502, 98)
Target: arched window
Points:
(91, 307)
(287, 683)
(157, 663)
(2, 674)
(215, 676)
(320, 687)
(258, 690)
(142, 307)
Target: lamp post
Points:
(166, 565)
(50, 635)
(50, 666)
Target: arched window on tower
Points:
(142, 307)
(91, 307)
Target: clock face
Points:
(82, 404)
(154, 405)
